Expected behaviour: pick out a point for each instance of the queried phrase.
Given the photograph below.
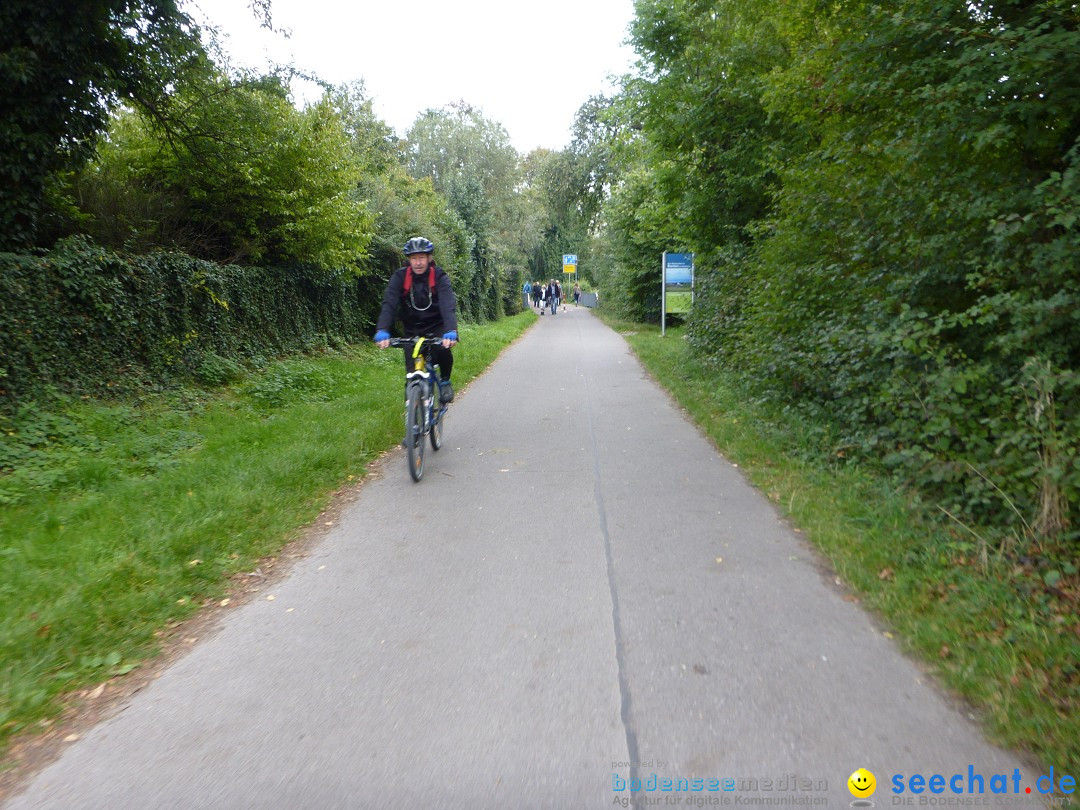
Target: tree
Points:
(471, 161)
(567, 190)
(63, 68)
(249, 178)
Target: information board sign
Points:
(676, 285)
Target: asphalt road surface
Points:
(581, 593)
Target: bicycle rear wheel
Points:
(414, 431)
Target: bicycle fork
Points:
(423, 392)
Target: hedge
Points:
(77, 317)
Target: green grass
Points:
(119, 518)
(992, 632)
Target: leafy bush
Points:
(214, 369)
(287, 382)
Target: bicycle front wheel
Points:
(414, 431)
(437, 415)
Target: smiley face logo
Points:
(862, 783)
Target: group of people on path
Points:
(547, 297)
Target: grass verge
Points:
(987, 625)
(119, 518)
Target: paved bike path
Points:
(580, 591)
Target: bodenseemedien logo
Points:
(792, 790)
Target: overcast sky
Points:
(529, 66)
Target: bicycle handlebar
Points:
(406, 343)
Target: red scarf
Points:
(408, 280)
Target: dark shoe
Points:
(446, 391)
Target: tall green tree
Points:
(248, 179)
(63, 68)
(694, 143)
(471, 161)
(568, 189)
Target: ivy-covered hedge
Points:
(78, 316)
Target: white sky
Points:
(527, 65)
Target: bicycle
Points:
(423, 409)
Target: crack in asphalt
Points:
(626, 711)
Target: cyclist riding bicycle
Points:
(421, 293)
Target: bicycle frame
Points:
(420, 396)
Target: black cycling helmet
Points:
(418, 244)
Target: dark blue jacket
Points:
(425, 310)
